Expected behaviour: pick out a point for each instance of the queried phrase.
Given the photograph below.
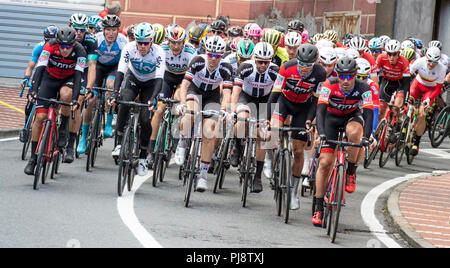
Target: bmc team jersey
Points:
(296, 88)
(60, 67)
(37, 50)
(396, 72)
(342, 104)
(427, 77)
(144, 68)
(110, 55)
(178, 64)
(254, 83)
(206, 80)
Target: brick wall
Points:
(240, 11)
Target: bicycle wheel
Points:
(328, 209)
(223, 154)
(401, 142)
(388, 138)
(286, 184)
(124, 161)
(134, 149)
(378, 133)
(440, 127)
(90, 144)
(246, 170)
(159, 159)
(40, 168)
(277, 189)
(26, 145)
(97, 140)
(190, 172)
(55, 164)
(52, 156)
(337, 202)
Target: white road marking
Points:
(438, 153)
(9, 139)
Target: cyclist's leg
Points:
(240, 128)
(354, 132)
(386, 92)
(109, 116)
(192, 101)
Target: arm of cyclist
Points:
(227, 84)
(120, 74)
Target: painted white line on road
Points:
(9, 139)
(368, 209)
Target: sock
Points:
(109, 118)
(33, 149)
(152, 146)
(143, 154)
(351, 169)
(417, 140)
(64, 122)
(319, 203)
(259, 168)
(204, 166)
(295, 183)
(72, 138)
(85, 130)
(182, 142)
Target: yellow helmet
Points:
(330, 35)
(197, 33)
(408, 53)
(272, 37)
(316, 38)
(160, 33)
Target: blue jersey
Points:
(37, 50)
(110, 55)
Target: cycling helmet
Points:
(272, 37)
(233, 42)
(66, 36)
(159, 33)
(144, 30)
(316, 38)
(347, 38)
(327, 55)
(346, 65)
(324, 43)
(352, 53)
(279, 28)
(407, 44)
(392, 46)
(363, 66)
(417, 42)
(111, 21)
(357, 43)
(435, 43)
(293, 39)
(247, 27)
(330, 35)
(130, 30)
(408, 53)
(94, 20)
(307, 53)
(50, 32)
(375, 43)
(433, 54)
(384, 39)
(218, 25)
(176, 34)
(340, 52)
(215, 44)
(197, 33)
(296, 25)
(423, 51)
(234, 31)
(245, 48)
(79, 19)
(254, 31)
(263, 51)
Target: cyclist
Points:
(252, 86)
(130, 32)
(79, 22)
(49, 33)
(328, 59)
(244, 52)
(296, 26)
(338, 107)
(409, 54)
(429, 82)
(160, 33)
(196, 34)
(254, 33)
(331, 35)
(146, 63)
(273, 37)
(360, 45)
(59, 68)
(95, 24)
(292, 41)
(218, 28)
(394, 70)
(294, 92)
(445, 60)
(110, 43)
(178, 56)
(200, 90)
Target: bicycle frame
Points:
(51, 119)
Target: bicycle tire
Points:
(167, 156)
(247, 171)
(97, 141)
(158, 160)
(440, 127)
(26, 145)
(286, 188)
(401, 142)
(124, 161)
(133, 154)
(90, 144)
(52, 159)
(41, 155)
(55, 165)
(191, 172)
(327, 206)
(384, 156)
(339, 194)
(373, 154)
(221, 168)
(276, 181)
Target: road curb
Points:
(9, 133)
(399, 222)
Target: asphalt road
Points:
(81, 209)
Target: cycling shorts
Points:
(418, 89)
(256, 107)
(104, 72)
(387, 89)
(208, 100)
(50, 87)
(170, 84)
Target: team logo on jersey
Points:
(44, 55)
(325, 93)
(81, 62)
(367, 97)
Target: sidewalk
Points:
(11, 109)
(420, 208)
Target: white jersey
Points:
(110, 55)
(144, 68)
(253, 83)
(178, 64)
(426, 76)
(445, 60)
(233, 60)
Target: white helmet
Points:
(357, 43)
(292, 39)
(352, 53)
(215, 44)
(340, 52)
(263, 50)
(433, 54)
(322, 43)
(435, 43)
(327, 55)
(407, 44)
(79, 18)
(392, 46)
(144, 30)
(363, 66)
(384, 39)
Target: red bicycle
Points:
(47, 148)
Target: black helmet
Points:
(346, 65)
(111, 21)
(307, 53)
(296, 25)
(279, 28)
(50, 32)
(66, 36)
(218, 25)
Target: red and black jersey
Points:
(60, 67)
(296, 88)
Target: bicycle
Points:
(282, 173)
(129, 152)
(192, 163)
(441, 127)
(387, 127)
(95, 134)
(335, 195)
(247, 169)
(407, 134)
(47, 148)
(164, 140)
(222, 163)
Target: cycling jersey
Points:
(296, 88)
(445, 60)
(90, 45)
(205, 80)
(110, 55)
(37, 50)
(232, 59)
(396, 72)
(426, 76)
(375, 93)
(178, 64)
(280, 56)
(254, 83)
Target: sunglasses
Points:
(346, 76)
(392, 54)
(143, 43)
(215, 56)
(92, 28)
(432, 61)
(66, 46)
(362, 76)
(305, 64)
(80, 30)
(375, 50)
(216, 32)
(263, 62)
(196, 43)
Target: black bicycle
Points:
(222, 163)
